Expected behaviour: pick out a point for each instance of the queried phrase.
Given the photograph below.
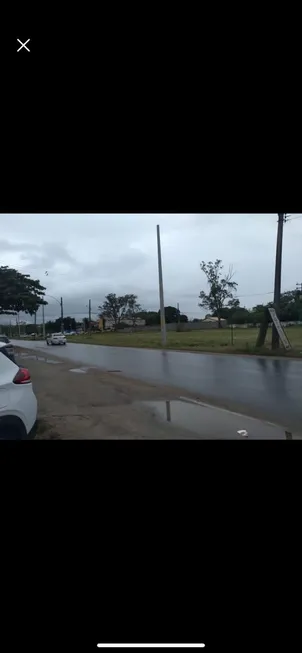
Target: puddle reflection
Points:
(209, 422)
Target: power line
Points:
(255, 294)
(297, 217)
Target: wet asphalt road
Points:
(267, 388)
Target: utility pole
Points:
(43, 321)
(161, 292)
(277, 287)
(62, 319)
(89, 317)
(178, 317)
(35, 322)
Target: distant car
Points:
(18, 403)
(56, 339)
(8, 347)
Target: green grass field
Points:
(211, 340)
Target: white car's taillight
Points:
(22, 376)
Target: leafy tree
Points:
(50, 326)
(257, 313)
(234, 304)
(290, 308)
(134, 309)
(225, 313)
(221, 288)
(114, 308)
(69, 323)
(18, 292)
(171, 315)
(152, 318)
(53, 326)
(240, 316)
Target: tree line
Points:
(20, 293)
(117, 309)
(221, 303)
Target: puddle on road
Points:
(209, 422)
(39, 358)
(78, 370)
(82, 370)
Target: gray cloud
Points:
(88, 256)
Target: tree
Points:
(52, 326)
(221, 288)
(171, 315)
(18, 292)
(152, 318)
(258, 313)
(290, 308)
(114, 308)
(240, 316)
(234, 303)
(134, 309)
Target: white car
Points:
(9, 347)
(18, 403)
(56, 339)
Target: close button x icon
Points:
(23, 45)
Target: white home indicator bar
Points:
(151, 645)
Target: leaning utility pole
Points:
(62, 319)
(161, 292)
(277, 287)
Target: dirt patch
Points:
(94, 404)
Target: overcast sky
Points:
(89, 256)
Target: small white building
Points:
(109, 323)
(214, 320)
